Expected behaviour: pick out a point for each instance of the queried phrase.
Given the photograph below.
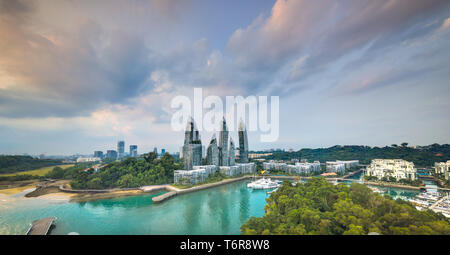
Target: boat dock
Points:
(173, 191)
(41, 227)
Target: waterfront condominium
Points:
(192, 148)
(442, 168)
(396, 168)
(223, 144)
(243, 143)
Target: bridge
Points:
(41, 227)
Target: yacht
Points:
(264, 184)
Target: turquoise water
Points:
(219, 210)
(395, 193)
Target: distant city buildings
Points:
(98, 154)
(155, 150)
(163, 151)
(395, 168)
(121, 149)
(88, 159)
(133, 151)
(259, 155)
(442, 168)
(111, 154)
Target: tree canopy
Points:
(128, 173)
(321, 208)
(16, 163)
(423, 156)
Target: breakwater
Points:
(175, 191)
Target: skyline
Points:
(79, 76)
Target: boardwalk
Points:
(41, 227)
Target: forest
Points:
(421, 156)
(318, 207)
(129, 173)
(16, 163)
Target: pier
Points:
(41, 227)
(173, 191)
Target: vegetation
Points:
(424, 156)
(321, 208)
(129, 173)
(393, 180)
(38, 172)
(11, 164)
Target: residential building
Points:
(396, 168)
(88, 159)
(442, 168)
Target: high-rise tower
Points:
(133, 151)
(192, 148)
(223, 144)
(212, 155)
(231, 156)
(243, 143)
(121, 149)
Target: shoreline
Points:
(176, 191)
(57, 189)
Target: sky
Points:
(77, 76)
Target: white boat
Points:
(263, 184)
(429, 196)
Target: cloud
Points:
(325, 31)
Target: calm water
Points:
(220, 210)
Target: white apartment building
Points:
(349, 163)
(87, 159)
(201, 173)
(335, 167)
(298, 168)
(397, 168)
(442, 168)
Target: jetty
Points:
(173, 191)
(41, 227)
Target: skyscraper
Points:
(223, 144)
(121, 149)
(192, 148)
(111, 154)
(243, 143)
(98, 154)
(231, 156)
(212, 155)
(163, 151)
(133, 151)
(155, 150)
